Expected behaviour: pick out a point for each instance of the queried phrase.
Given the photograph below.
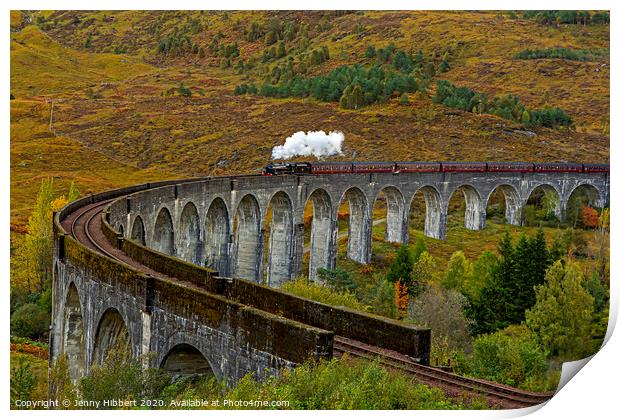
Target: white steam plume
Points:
(315, 143)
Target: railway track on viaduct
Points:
(85, 225)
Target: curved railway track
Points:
(81, 226)
(501, 396)
(84, 224)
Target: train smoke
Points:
(315, 143)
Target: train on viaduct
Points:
(178, 268)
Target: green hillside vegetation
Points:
(563, 53)
(508, 107)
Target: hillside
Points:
(144, 95)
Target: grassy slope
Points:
(36, 154)
(39, 66)
(42, 66)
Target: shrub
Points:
(30, 320)
(60, 385)
(511, 356)
(184, 91)
(422, 273)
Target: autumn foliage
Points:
(29, 348)
(589, 217)
(401, 296)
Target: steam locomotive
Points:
(299, 168)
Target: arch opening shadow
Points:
(111, 333)
(580, 198)
(542, 207)
(184, 359)
(359, 226)
(73, 340)
(189, 245)
(504, 205)
(465, 203)
(217, 237)
(138, 233)
(318, 214)
(248, 242)
(279, 237)
(427, 202)
(163, 234)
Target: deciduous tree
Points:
(457, 272)
(562, 315)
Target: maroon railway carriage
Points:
(595, 167)
(557, 167)
(463, 166)
(510, 167)
(418, 167)
(331, 167)
(363, 167)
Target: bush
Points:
(511, 356)
(30, 320)
(382, 299)
(184, 91)
(443, 311)
(23, 381)
(305, 288)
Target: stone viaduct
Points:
(186, 277)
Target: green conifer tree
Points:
(402, 267)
